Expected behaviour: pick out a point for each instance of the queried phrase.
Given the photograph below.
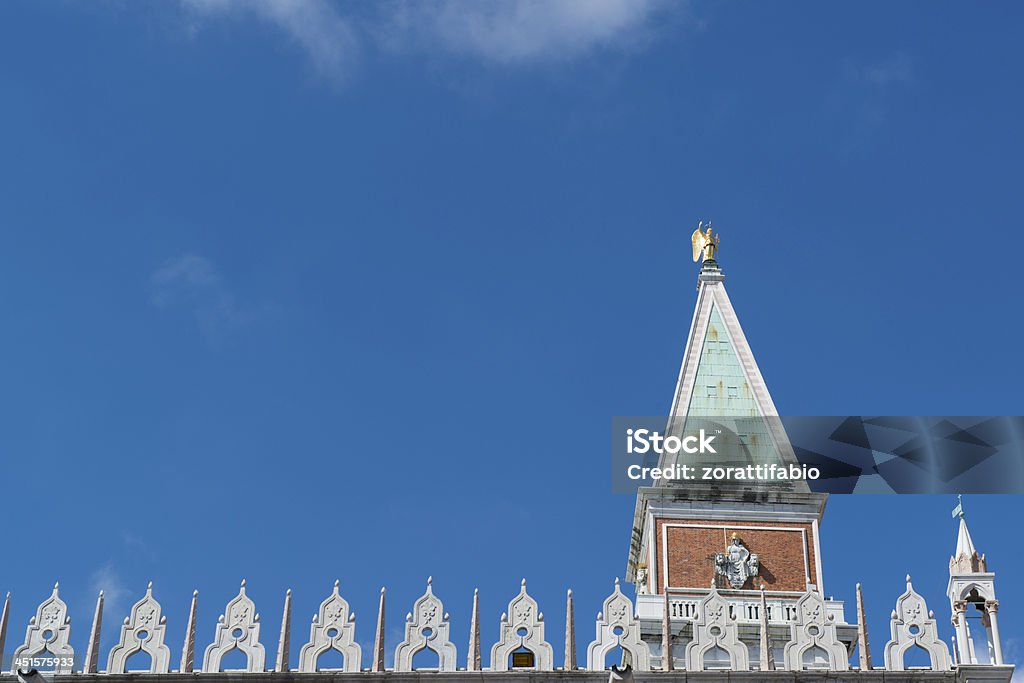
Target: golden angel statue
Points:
(704, 243)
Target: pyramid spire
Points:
(965, 559)
(964, 543)
(719, 377)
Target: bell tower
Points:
(695, 537)
(971, 583)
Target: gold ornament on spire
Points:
(703, 242)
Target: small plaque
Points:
(522, 660)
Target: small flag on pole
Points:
(958, 511)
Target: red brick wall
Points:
(691, 553)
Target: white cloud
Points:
(328, 39)
(510, 32)
(106, 579)
(523, 31)
(194, 281)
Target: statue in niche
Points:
(737, 564)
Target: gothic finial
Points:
(284, 642)
(523, 583)
(4, 616)
(337, 583)
(101, 593)
(908, 580)
(473, 658)
(188, 650)
(243, 583)
(92, 651)
(862, 633)
(430, 580)
(378, 639)
(766, 651)
(149, 586)
(570, 633)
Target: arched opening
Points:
(615, 656)
(522, 658)
(717, 658)
(814, 657)
(426, 659)
(332, 660)
(978, 631)
(234, 660)
(139, 661)
(916, 657)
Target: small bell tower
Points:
(971, 583)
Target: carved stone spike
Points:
(92, 650)
(523, 615)
(378, 639)
(767, 653)
(862, 633)
(238, 627)
(473, 662)
(427, 626)
(333, 628)
(143, 631)
(913, 625)
(285, 641)
(50, 631)
(3, 621)
(715, 627)
(814, 629)
(570, 634)
(617, 616)
(188, 650)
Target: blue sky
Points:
(303, 291)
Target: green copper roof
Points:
(721, 390)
